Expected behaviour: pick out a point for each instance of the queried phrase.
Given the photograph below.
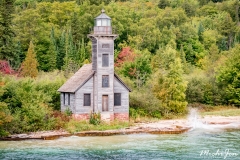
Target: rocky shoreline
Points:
(176, 126)
(51, 135)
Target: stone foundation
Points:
(121, 116)
(84, 116)
(104, 116)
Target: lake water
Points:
(195, 144)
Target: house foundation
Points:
(108, 116)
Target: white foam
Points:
(198, 123)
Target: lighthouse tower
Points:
(103, 65)
(95, 87)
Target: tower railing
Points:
(103, 30)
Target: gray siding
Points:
(100, 91)
(86, 88)
(119, 88)
(94, 54)
(71, 106)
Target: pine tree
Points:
(163, 4)
(169, 84)
(81, 55)
(6, 32)
(29, 65)
(200, 32)
(61, 51)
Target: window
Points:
(117, 99)
(99, 22)
(104, 22)
(105, 60)
(87, 100)
(66, 98)
(105, 45)
(105, 81)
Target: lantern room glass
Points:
(103, 22)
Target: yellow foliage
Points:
(5, 116)
(29, 65)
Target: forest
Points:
(171, 53)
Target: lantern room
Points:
(102, 24)
(102, 20)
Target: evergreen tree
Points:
(61, 51)
(169, 84)
(76, 33)
(228, 77)
(29, 65)
(200, 32)
(163, 4)
(6, 32)
(81, 56)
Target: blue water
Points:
(196, 144)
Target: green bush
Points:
(144, 103)
(95, 118)
(31, 103)
(68, 112)
(203, 90)
(5, 118)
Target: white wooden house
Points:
(95, 87)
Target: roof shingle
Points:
(78, 79)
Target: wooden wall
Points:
(119, 88)
(72, 101)
(105, 46)
(86, 88)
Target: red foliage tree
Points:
(126, 55)
(5, 68)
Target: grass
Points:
(220, 110)
(74, 126)
(223, 112)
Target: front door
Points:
(105, 103)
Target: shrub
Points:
(60, 119)
(68, 112)
(5, 118)
(144, 103)
(203, 90)
(31, 103)
(95, 118)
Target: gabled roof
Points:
(118, 78)
(78, 79)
